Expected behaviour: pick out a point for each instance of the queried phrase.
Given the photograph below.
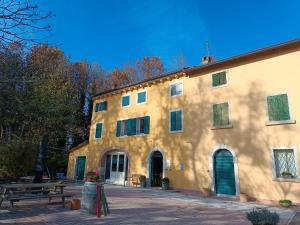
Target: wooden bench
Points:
(38, 196)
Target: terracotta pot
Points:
(244, 198)
(206, 192)
(75, 204)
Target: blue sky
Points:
(114, 33)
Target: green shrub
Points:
(165, 180)
(285, 202)
(262, 216)
(142, 178)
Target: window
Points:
(221, 115)
(140, 125)
(101, 106)
(134, 126)
(278, 108)
(176, 121)
(125, 101)
(219, 79)
(114, 163)
(176, 89)
(141, 97)
(98, 131)
(285, 164)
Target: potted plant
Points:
(165, 183)
(285, 203)
(92, 177)
(244, 197)
(206, 192)
(262, 216)
(143, 181)
(286, 175)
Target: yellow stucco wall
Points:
(249, 138)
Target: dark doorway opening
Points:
(156, 168)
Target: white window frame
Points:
(270, 123)
(101, 130)
(129, 100)
(146, 100)
(175, 110)
(138, 126)
(223, 85)
(295, 150)
(229, 117)
(176, 83)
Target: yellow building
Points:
(228, 125)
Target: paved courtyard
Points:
(137, 206)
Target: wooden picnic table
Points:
(11, 189)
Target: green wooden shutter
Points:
(103, 106)
(216, 115)
(219, 79)
(97, 107)
(179, 120)
(131, 127)
(118, 132)
(147, 124)
(220, 114)
(278, 107)
(173, 121)
(98, 130)
(225, 114)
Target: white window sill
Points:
(176, 131)
(97, 139)
(272, 123)
(222, 127)
(220, 86)
(292, 180)
(137, 135)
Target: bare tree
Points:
(19, 21)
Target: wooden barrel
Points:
(88, 201)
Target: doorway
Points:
(156, 169)
(116, 168)
(224, 174)
(80, 167)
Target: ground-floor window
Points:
(285, 163)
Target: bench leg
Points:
(63, 201)
(49, 199)
(11, 204)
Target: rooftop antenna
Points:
(207, 48)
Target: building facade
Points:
(229, 126)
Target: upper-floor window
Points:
(221, 115)
(219, 79)
(125, 100)
(176, 89)
(278, 108)
(176, 119)
(98, 130)
(141, 97)
(285, 163)
(134, 126)
(101, 106)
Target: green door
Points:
(80, 167)
(224, 173)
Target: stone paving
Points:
(137, 206)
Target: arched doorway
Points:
(156, 168)
(115, 167)
(224, 172)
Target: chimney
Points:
(207, 60)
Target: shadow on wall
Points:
(249, 138)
